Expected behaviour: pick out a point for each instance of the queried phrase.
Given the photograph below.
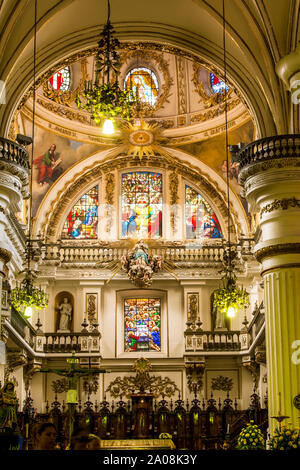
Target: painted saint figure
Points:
(46, 164)
(65, 310)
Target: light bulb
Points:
(108, 127)
(231, 312)
(28, 312)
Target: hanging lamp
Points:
(229, 298)
(102, 97)
(25, 295)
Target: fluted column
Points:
(270, 175)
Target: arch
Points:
(86, 173)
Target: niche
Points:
(64, 312)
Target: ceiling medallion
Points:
(141, 137)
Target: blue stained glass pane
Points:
(142, 325)
(82, 220)
(200, 219)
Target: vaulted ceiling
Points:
(259, 33)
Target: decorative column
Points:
(270, 176)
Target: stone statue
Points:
(139, 266)
(8, 407)
(220, 323)
(65, 309)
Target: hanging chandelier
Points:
(25, 295)
(229, 298)
(102, 96)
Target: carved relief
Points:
(173, 185)
(282, 204)
(222, 383)
(181, 86)
(92, 308)
(194, 375)
(109, 196)
(193, 306)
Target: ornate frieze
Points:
(282, 204)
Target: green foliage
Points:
(285, 439)
(106, 101)
(26, 295)
(251, 438)
(230, 297)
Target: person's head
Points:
(94, 442)
(79, 439)
(8, 387)
(52, 148)
(45, 436)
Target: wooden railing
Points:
(68, 342)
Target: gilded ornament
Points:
(283, 204)
(222, 383)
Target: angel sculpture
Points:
(139, 265)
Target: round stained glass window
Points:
(61, 80)
(143, 83)
(216, 84)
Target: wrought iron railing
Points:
(11, 152)
(269, 148)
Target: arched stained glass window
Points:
(142, 327)
(141, 204)
(143, 83)
(60, 81)
(200, 219)
(216, 84)
(82, 220)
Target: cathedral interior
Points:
(124, 236)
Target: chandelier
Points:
(25, 295)
(102, 96)
(229, 298)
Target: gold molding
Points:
(258, 167)
(282, 204)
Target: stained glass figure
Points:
(82, 219)
(216, 84)
(201, 221)
(143, 83)
(142, 325)
(141, 205)
(61, 80)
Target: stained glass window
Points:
(142, 325)
(141, 204)
(82, 219)
(143, 83)
(216, 84)
(201, 221)
(61, 80)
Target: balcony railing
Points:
(23, 327)
(11, 152)
(269, 148)
(224, 340)
(66, 254)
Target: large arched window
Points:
(142, 325)
(200, 219)
(141, 204)
(143, 83)
(82, 220)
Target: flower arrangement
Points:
(26, 295)
(251, 438)
(106, 101)
(285, 439)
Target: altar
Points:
(137, 444)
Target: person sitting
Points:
(45, 437)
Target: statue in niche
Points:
(65, 318)
(8, 407)
(220, 322)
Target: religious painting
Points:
(82, 220)
(216, 84)
(142, 325)
(141, 205)
(143, 83)
(200, 219)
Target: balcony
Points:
(13, 153)
(197, 340)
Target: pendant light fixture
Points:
(102, 96)
(229, 298)
(25, 295)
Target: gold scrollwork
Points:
(283, 204)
